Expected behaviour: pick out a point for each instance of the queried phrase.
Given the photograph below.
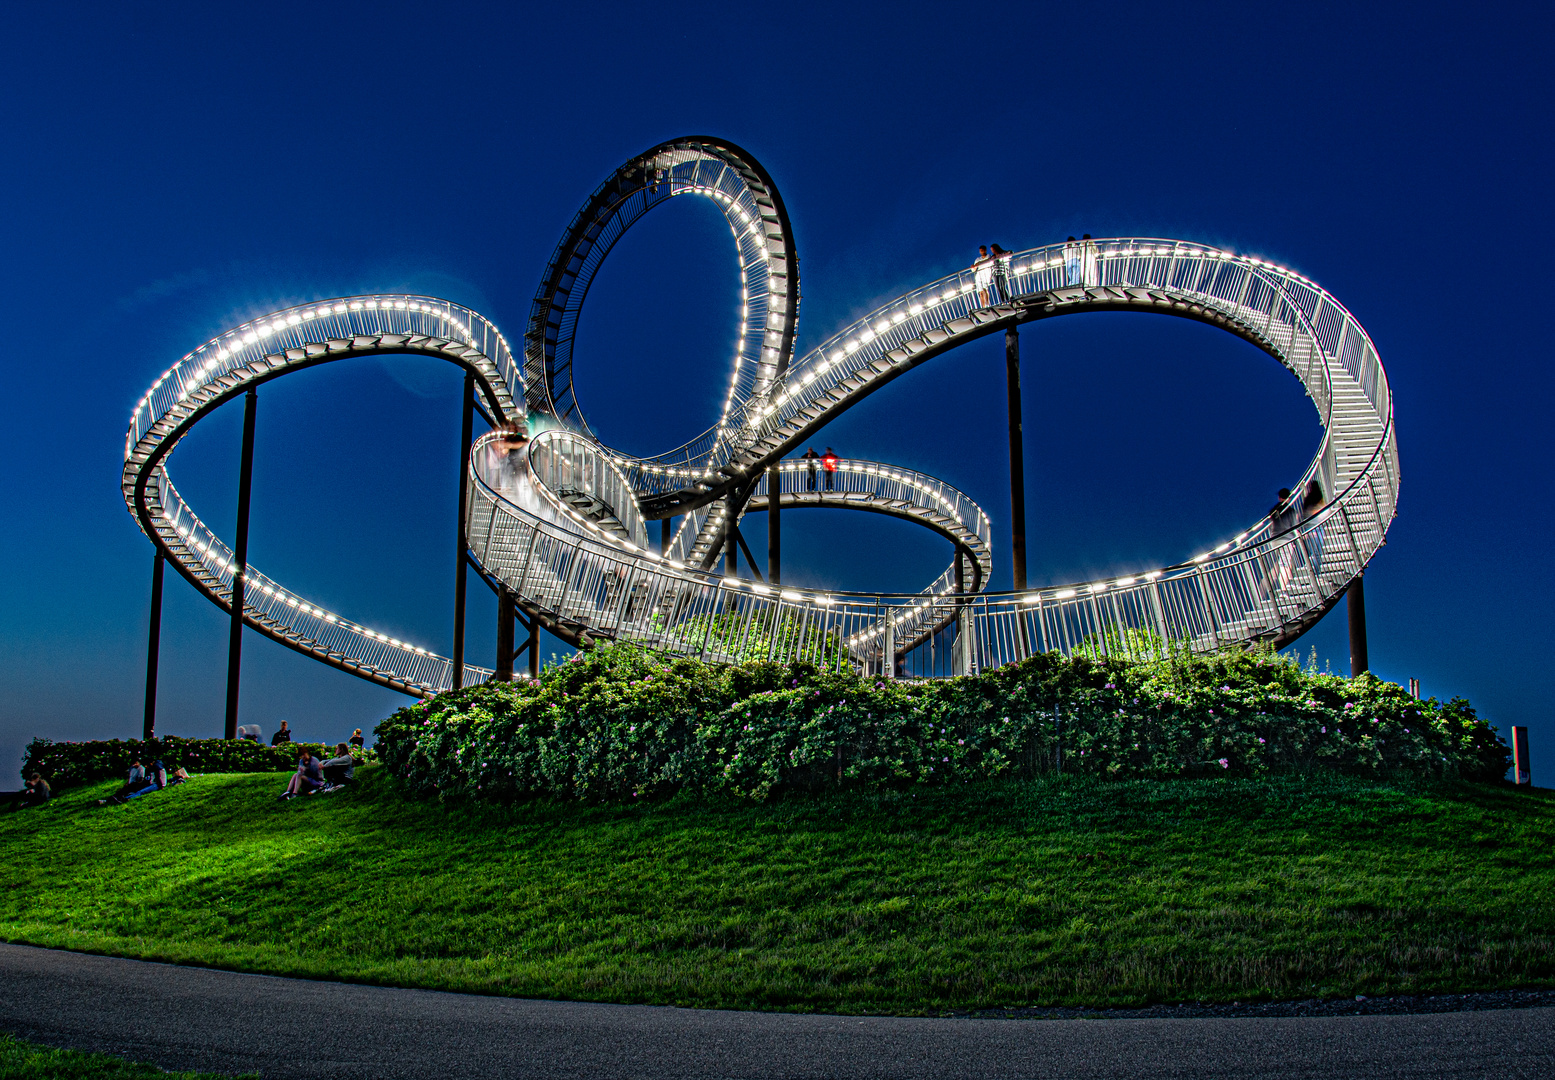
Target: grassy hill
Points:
(1070, 891)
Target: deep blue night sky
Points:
(172, 171)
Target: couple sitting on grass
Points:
(321, 777)
(144, 781)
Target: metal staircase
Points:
(567, 533)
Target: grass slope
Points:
(1049, 892)
(28, 1061)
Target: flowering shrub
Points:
(69, 763)
(622, 723)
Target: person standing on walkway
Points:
(1311, 502)
(1282, 517)
(1001, 273)
(1071, 262)
(510, 445)
(982, 274)
(284, 735)
(1090, 261)
(829, 463)
(810, 458)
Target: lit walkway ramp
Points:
(563, 525)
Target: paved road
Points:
(192, 1018)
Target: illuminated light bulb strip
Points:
(931, 301)
(926, 305)
(268, 344)
(762, 321)
(1150, 263)
(217, 557)
(236, 350)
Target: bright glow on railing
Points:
(1258, 585)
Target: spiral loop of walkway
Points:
(561, 524)
(250, 355)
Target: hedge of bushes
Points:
(68, 763)
(622, 723)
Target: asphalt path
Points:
(196, 1018)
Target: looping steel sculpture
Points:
(559, 525)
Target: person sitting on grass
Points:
(308, 778)
(35, 793)
(133, 786)
(156, 780)
(179, 775)
(339, 770)
(136, 780)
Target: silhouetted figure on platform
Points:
(810, 460)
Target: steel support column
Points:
(240, 562)
(664, 537)
(461, 542)
(534, 646)
(731, 552)
(1017, 459)
(739, 538)
(774, 527)
(153, 647)
(506, 614)
(1355, 606)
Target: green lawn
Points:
(27, 1061)
(1052, 892)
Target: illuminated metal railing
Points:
(1273, 305)
(733, 181)
(1256, 586)
(592, 572)
(266, 348)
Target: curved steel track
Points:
(562, 525)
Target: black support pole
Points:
(1355, 606)
(534, 646)
(466, 434)
(153, 647)
(240, 562)
(1017, 460)
(731, 553)
(774, 527)
(506, 613)
(664, 537)
(740, 539)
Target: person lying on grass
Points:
(308, 778)
(153, 780)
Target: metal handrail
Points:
(1246, 589)
(1258, 586)
(266, 348)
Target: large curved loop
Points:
(714, 169)
(254, 353)
(562, 525)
